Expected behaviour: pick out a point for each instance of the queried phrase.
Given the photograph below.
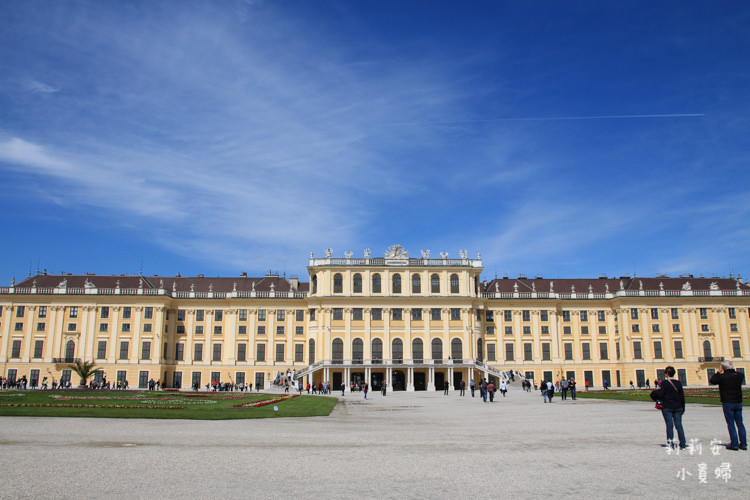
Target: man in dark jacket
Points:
(730, 391)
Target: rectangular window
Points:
(261, 330)
(736, 350)
(489, 316)
(416, 314)
(72, 327)
(146, 350)
(299, 352)
(546, 354)
(527, 351)
(545, 330)
(40, 327)
(566, 315)
(678, 349)
(633, 313)
(526, 315)
(654, 313)
(242, 352)
(280, 315)
(508, 330)
(15, 351)
(199, 315)
(705, 328)
(73, 312)
(703, 313)
(260, 352)
(732, 313)
(397, 314)
(261, 314)
(675, 313)
(124, 348)
(126, 327)
(279, 330)
(603, 350)
(455, 314)
(18, 327)
(508, 352)
(637, 350)
(527, 330)
(104, 312)
(732, 327)
(544, 315)
(311, 313)
(299, 330)
(601, 315)
(299, 315)
(357, 314)
(435, 314)
(491, 352)
(42, 311)
(507, 315)
(218, 315)
(217, 330)
(338, 313)
(584, 316)
(585, 350)
(655, 328)
(147, 328)
(20, 311)
(602, 330)
(279, 352)
(657, 350)
(148, 313)
(242, 315)
(584, 330)
(377, 314)
(567, 330)
(490, 330)
(217, 352)
(180, 329)
(126, 312)
(676, 328)
(180, 315)
(636, 328)
(101, 349)
(179, 351)
(568, 347)
(198, 352)
(103, 327)
(38, 348)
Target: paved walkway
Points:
(404, 445)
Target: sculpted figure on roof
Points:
(714, 286)
(396, 252)
(686, 286)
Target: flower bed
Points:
(265, 402)
(47, 405)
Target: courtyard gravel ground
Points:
(403, 445)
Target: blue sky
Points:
(562, 139)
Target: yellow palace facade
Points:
(415, 323)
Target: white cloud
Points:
(40, 87)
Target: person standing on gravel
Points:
(730, 391)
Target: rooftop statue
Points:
(396, 252)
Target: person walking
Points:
(446, 385)
(563, 389)
(462, 388)
(472, 385)
(550, 390)
(672, 399)
(543, 390)
(491, 391)
(572, 388)
(730, 391)
(384, 386)
(364, 389)
(503, 388)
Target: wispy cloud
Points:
(40, 87)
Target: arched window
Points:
(311, 352)
(457, 352)
(357, 350)
(416, 284)
(337, 351)
(376, 283)
(396, 288)
(707, 349)
(397, 351)
(435, 283)
(338, 283)
(70, 351)
(314, 285)
(377, 351)
(437, 349)
(357, 283)
(417, 350)
(480, 355)
(454, 283)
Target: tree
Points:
(84, 369)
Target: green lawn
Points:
(160, 404)
(703, 395)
